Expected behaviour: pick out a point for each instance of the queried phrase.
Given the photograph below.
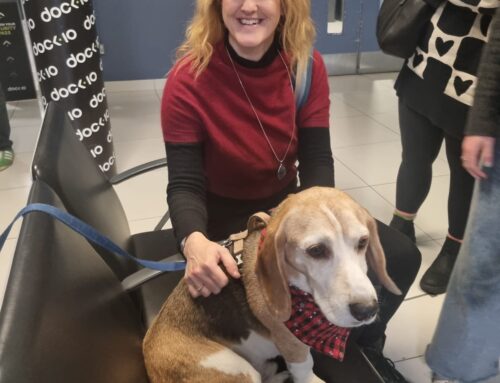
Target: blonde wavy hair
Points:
(296, 31)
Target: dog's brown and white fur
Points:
(319, 240)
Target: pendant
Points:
(281, 172)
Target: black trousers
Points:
(5, 142)
(226, 216)
(421, 141)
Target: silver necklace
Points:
(281, 173)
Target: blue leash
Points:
(91, 234)
(94, 236)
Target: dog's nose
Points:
(364, 311)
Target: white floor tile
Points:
(373, 202)
(358, 130)
(385, 80)
(134, 115)
(144, 196)
(343, 84)
(134, 153)
(127, 129)
(345, 179)
(6, 256)
(142, 225)
(19, 174)
(159, 85)
(378, 163)
(389, 119)
(415, 370)
(373, 102)
(340, 109)
(131, 102)
(26, 113)
(11, 106)
(129, 86)
(24, 138)
(412, 327)
(11, 201)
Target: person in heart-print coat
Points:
(435, 89)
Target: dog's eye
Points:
(362, 243)
(318, 251)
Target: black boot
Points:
(383, 365)
(404, 226)
(435, 279)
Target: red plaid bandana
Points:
(311, 327)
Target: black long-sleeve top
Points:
(194, 208)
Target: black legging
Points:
(402, 256)
(421, 141)
(5, 143)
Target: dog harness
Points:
(235, 242)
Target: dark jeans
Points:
(5, 142)
(403, 258)
(421, 141)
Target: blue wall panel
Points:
(140, 37)
(345, 42)
(368, 37)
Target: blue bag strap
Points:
(91, 234)
(302, 92)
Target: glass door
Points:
(346, 37)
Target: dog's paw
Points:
(282, 377)
(275, 371)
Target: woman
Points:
(233, 136)
(472, 304)
(6, 152)
(435, 90)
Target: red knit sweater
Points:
(213, 110)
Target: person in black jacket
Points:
(6, 152)
(435, 89)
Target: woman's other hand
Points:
(477, 151)
(203, 274)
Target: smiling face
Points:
(251, 25)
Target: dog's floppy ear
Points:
(376, 259)
(270, 272)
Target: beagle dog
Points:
(320, 241)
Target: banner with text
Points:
(15, 69)
(66, 47)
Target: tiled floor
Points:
(365, 141)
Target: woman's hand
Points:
(477, 151)
(203, 274)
